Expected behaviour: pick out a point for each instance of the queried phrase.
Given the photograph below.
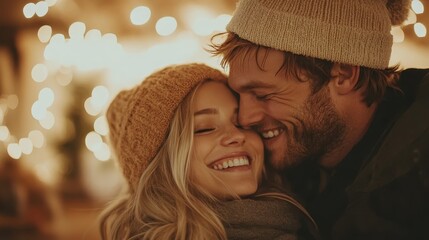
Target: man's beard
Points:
(322, 131)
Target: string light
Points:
(166, 26)
(140, 15)
(420, 29)
(91, 50)
(417, 6)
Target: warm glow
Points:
(411, 19)
(37, 138)
(101, 126)
(48, 121)
(166, 26)
(12, 101)
(44, 33)
(41, 8)
(93, 141)
(398, 34)
(29, 10)
(417, 6)
(14, 150)
(200, 20)
(140, 15)
(420, 29)
(39, 73)
(221, 21)
(51, 2)
(46, 97)
(25, 145)
(77, 30)
(4, 133)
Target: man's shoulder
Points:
(406, 145)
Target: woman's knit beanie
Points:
(139, 118)
(355, 32)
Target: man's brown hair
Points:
(318, 70)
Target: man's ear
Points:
(344, 77)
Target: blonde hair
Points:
(165, 204)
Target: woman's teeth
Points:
(236, 162)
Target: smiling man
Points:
(350, 133)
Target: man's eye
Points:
(203, 130)
(262, 96)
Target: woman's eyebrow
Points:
(206, 111)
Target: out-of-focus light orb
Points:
(89, 108)
(420, 29)
(57, 39)
(411, 19)
(25, 145)
(48, 121)
(93, 35)
(110, 38)
(203, 27)
(1, 116)
(140, 15)
(417, 6)
(46, 97)
(39, 73)
(77, 30)
(398, 34)
(14, 150)
(12, 101)
(29, 10)
(166, 26)
(103, 152)
(101, 126)
(221, 21)
(44, 33)
(41, 8)
(4, 133)
(38, 111)
(93, 141)
(36, 138)
(100, 96)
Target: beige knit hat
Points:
(346, 31)
(139, 118)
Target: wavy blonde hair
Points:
(166, 204)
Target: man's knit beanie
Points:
(355, 32)
(139, 118)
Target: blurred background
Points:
(62, 61)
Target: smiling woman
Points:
(189, 163)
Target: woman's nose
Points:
(233, 136)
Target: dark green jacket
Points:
(381, 189)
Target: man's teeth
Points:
(239, 161)
(271, 134)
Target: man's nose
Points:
(250, 113)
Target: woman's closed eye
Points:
(203, 130)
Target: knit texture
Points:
(354, 32)
(139, 118)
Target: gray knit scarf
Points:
(265, 219)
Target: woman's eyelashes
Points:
(204, 130)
